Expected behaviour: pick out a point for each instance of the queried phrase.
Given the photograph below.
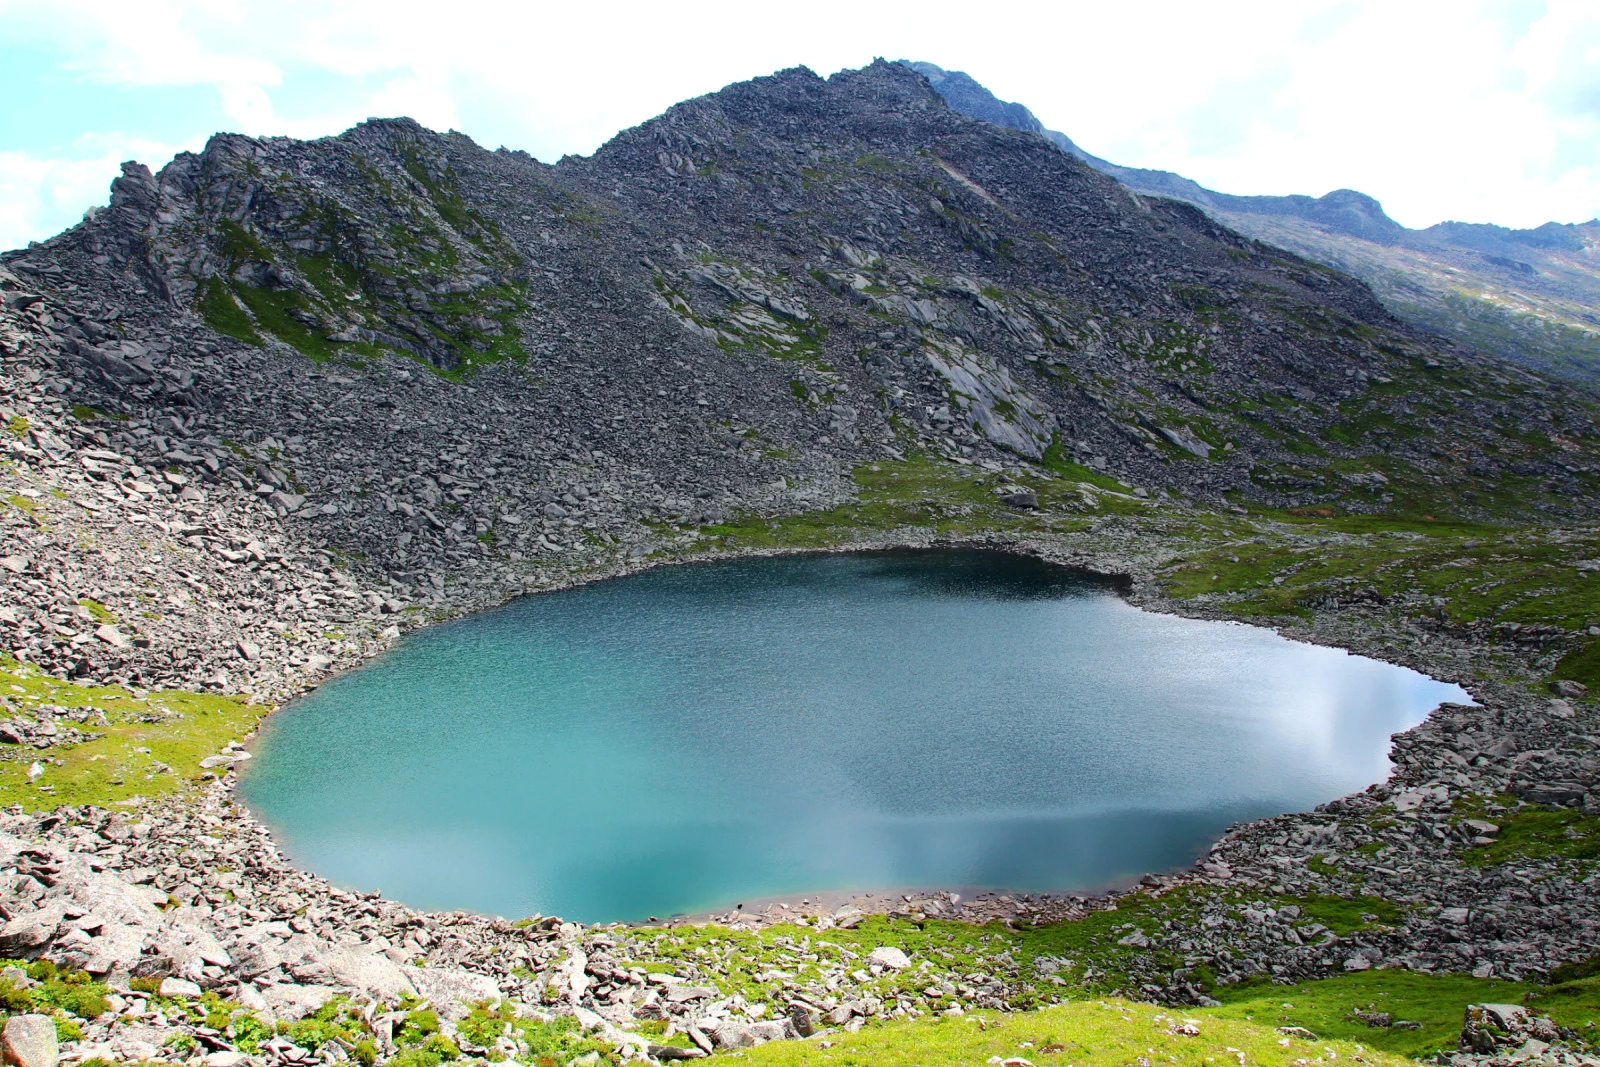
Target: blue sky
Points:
(1478, 110)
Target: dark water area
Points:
(689, 737)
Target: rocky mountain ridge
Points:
(785, 269)
(1528, 295)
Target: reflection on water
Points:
(697, 735)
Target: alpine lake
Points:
(694, 736)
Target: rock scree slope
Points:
(284, 400)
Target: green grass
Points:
(1582, 664)
(931, 494)
(59, 989)
(1574, 1004)
(340, 285)
(1531, 832)
(1112, 1033)
(98, 611)
(1284, 564)
(271, 309)
(178, 729)
(88, 413)
(1346, 915)
(1327, 1008)
(223, 312)
(1087, 955)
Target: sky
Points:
(1474, 110)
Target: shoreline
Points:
(1058, 905)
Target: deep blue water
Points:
(694, 736)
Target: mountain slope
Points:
(284, 399)
(841, 266)
(462, 371)
(1532, 296)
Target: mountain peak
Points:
(964, 94)
(1551, 265)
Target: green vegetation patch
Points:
(137, 745)
(98, 611)
(1574, 1004)
(337, 1020)
(1334, 1007)
(932, 494)
(1582, 664)
(1530, 832)
(224, 313)
(1278, 564)
(1100, 1033)
(413, 283)
(559, 1041)
(41, 987)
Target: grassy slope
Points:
(149, 745)
(1091, 963)
(1265, 564)
(1108, 1032)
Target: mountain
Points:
(282, 400)
(839, 268)
(1532, 296)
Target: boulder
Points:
(769, 1030)
(667, 1053)
(684, 993)
(890, 957)
(30, 931)
(179, 987)
(451, 989)
(732, 1035)
(30, 1041)
(290, 1002)
(805, 1019)
(117, 948)
(1020, 498)
(375, 975)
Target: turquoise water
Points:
(697, 736)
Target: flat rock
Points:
(290, 1002)
(178, 987)
(30, 1041)
(451, 989)
(890, 957)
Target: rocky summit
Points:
(283, 400)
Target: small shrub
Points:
(416, 1028)
(443, 1046)
(1575, 971)
(14, 999)
(249, 1032)
(85, 1000)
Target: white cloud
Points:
(1485, 110)
(40, 195)
(1478, 110)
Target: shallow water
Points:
(695, 736)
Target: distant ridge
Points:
(1532, 295)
